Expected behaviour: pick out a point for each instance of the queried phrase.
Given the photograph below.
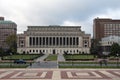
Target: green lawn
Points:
(78, 56)
(12, 65)
(70, 62)
(89, 67)
(51, 57)
(25, 57)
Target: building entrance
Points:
(54, 52)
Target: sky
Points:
(58, 12)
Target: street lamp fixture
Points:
(117, 55)
(72, 59)
(10, 59)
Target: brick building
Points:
(7, 28)
(104, 27)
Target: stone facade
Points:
(107, 42)
(7, 28)
(54, 40)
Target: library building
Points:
(54, 39)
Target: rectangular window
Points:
(39, 40)
(30, 41)
(77, 41)
(43, 40)
(73, 40)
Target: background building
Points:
(107, 42)
(103, 27)
(7, 28)
(54, 40)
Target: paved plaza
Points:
(40, 63)
(59, 74)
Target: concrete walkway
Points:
(59, 74)
(42, 58)
(60, 57)
(39, 61)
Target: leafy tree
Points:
(95, 47)
(1, 52)
(12, 43)
(115, 49)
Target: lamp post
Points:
(72, 59)
(10, 59)
(117, 56)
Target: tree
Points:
(95, 47)
(115, 49)
(1, 52)
(12, 43)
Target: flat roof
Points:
(55, 26)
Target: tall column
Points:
(35, 42)
(75, 41)
(53, 41)
(62, 41)
(69, 41)
(41, 41)
(59, 41)
(65, 41)
(48, 41)
(72, 41)
(27, 41)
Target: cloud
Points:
(85, 25)
(58, 12)
(110, 13)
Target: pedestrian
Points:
(30, 64)
(39, 62)
(100, 62)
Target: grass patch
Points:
(24, 57)
(85, 62)
(78, 57)
(88, 67)
(12, 65)
(51, 57)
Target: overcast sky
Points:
(58, 12)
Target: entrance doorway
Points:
(54, 52)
